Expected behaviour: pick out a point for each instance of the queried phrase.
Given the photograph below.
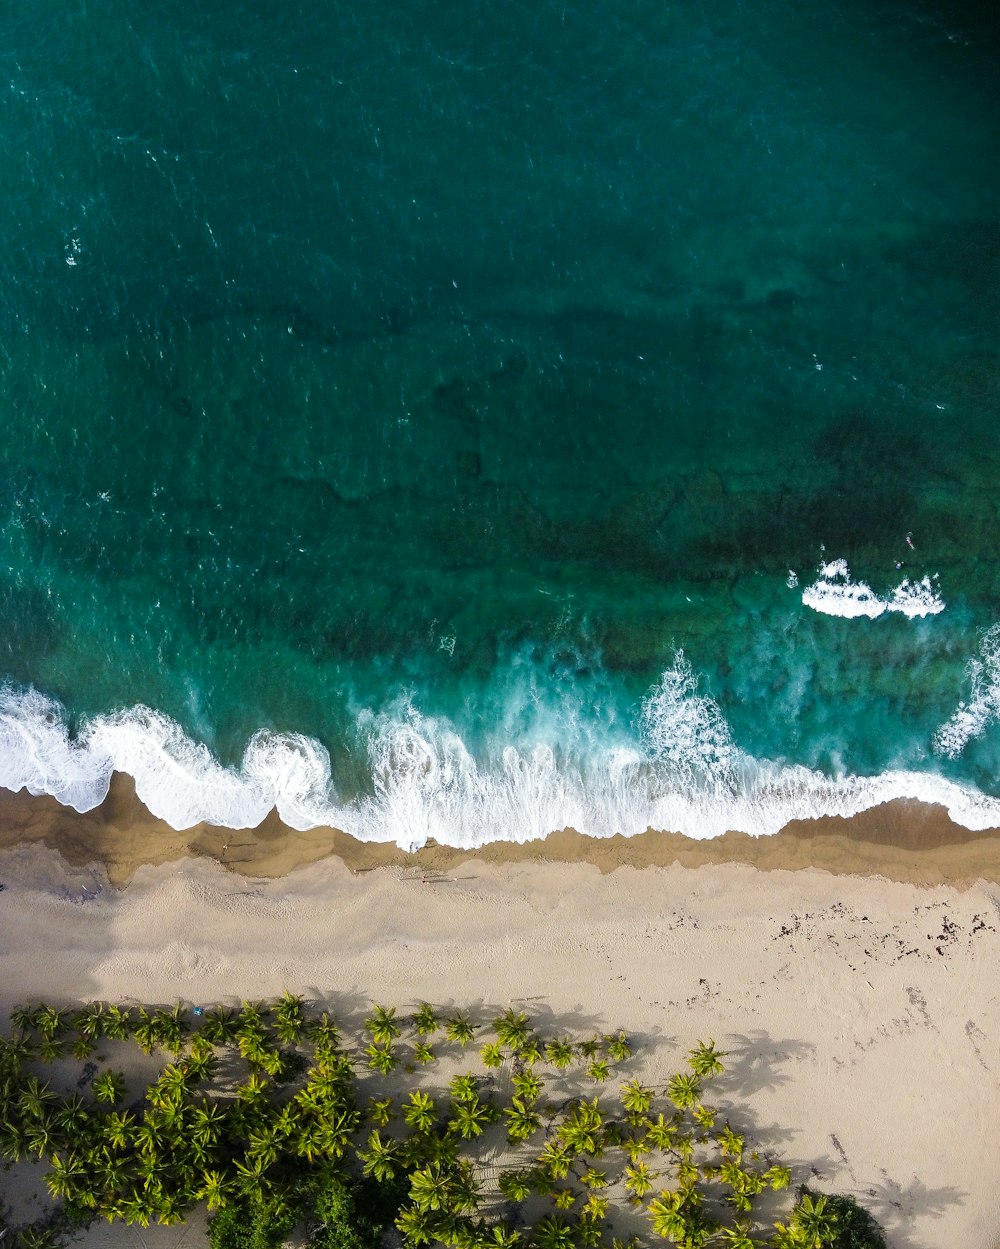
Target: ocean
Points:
(463, 421)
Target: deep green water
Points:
(445, 400)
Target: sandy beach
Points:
(904, 841)
(861, 1014)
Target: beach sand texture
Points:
(861, 1015)
(901, 840)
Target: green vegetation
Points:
(276, 1117)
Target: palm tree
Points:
(419, 1114)
(111, 1171)
(501, 1236)
(618, 1047)
(560, 1053)
(36, 1100)
(458, 1028)
(253, 1090)
(512, 1028)
(592, 1178)
(201, 1062)
(637, 1100)
(464, 1088)
(553, 1232)
(170, 1210)
(598, 1070)
(249, 1173)
(207, 1123)
(515, 1185)
(470, 1118)
(816, 1226)
(71, 1117)
(219, 1026)
(430, 1187)
(289, 1018)
(381, 1059)
(263, 1145)
(336, 1128)
(425, 1019)
(530, 1052)
(638, 1179)
(583, 1129)
(555, 1159)
(14, 1053)
(82, 1048)
(51, 1022)
(37, 1236)
(40, 1137)
(416, 1226)
(635, 1146)
(144, 1031)
(464, 1196)
(324, 1034)
(527, 1085)
(705, 1060)
(135, 1208)
(522, 1120)
(171, 1027)
(380, 1111)
(118, 1128)
(13, 1139)
(591, 1048)
(683, 1090)
(491, 1054)
(89, 1020)
(423, 1053)
(662, 1133)
(66, 1176)
(49, 1049)
(25, 1018)
(594, 1208)
(678, 1216)
(381, 1159)
(382, 1025)
(118, 1023)
(737, 1237)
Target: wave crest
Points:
(678, 769)
(835, 593)
(972, 718)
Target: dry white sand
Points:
(861, 1016)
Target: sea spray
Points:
(680, 771)
(972, 717)
(836, 593)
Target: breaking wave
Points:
(678, 769)
(971, 719)
(835, 593)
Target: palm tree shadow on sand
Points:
(758, 1063)
(755, 1062)
(896, 1206)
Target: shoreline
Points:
(903, 840)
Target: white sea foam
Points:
(678, 770)
(835, 593)
(972, 718)
(916, 598)
(687, 732)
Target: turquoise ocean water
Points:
(465, 420)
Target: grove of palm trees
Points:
(432, 1126)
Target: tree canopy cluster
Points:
(278, 1117)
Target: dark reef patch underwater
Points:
(466, 421)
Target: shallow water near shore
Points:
(465, 425)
